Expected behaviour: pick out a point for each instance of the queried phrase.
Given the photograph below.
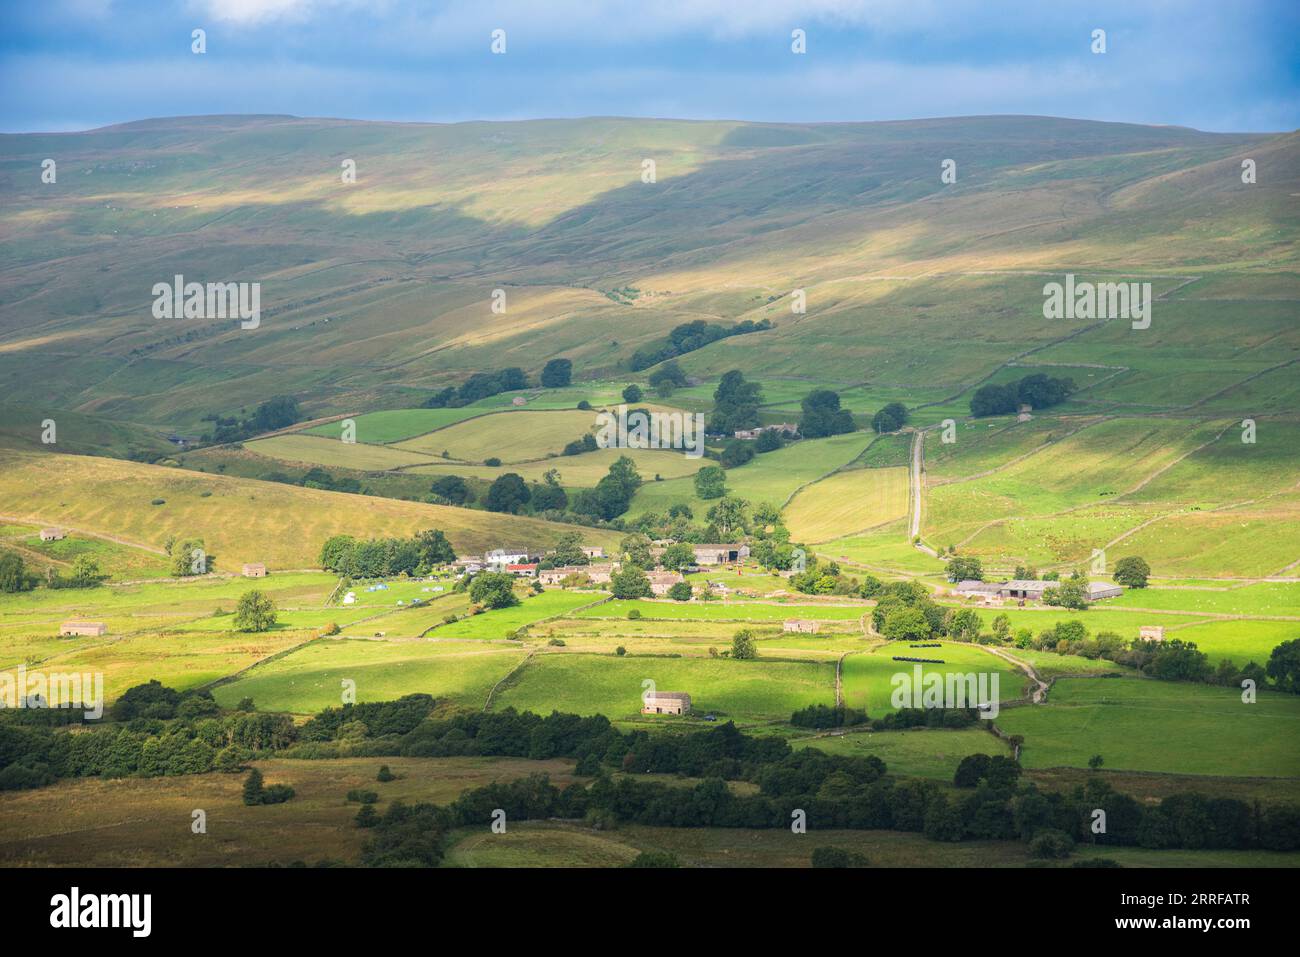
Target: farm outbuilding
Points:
(53, 534)
(660, 582)
(802, 625)
(720, 554)
(253, 570)
(90, 628)
(666, 702)
(1152, 632)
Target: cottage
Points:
(593, 551)
(1152, 633)
(665, 702)
(660, 582)
(802, 625)
(254, 570)
(53, 534)
(499, 558)
(715, 554)
(524, 569)
(92, 628)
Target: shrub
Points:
(837, 857)
(1051, 844)
(385, 774)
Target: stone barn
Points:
(253, 570)
(1152, 632)
(88, 628)
(53, 534)
(802, 625)
(666, 702)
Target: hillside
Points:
(240, 520)
(376, 293)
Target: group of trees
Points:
(1038, 391)
(14, 576)
(480, 385)
(735, 404)
(688, 337)
(279, 412)
(382, 557)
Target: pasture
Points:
(1172, 727)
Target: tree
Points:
(677, 556)
(906, 624)
(187, 557)
(680, 591)
(728, 515)
(822, 415)
(1002, 626)
(1096, 761)
(255, 612)
(253, 787)
(743, 645)
(630, 582)
(735, 404)
(335, 551)
(736, 454)
(1132, 572)
(568, 550)
(994, 400)
(1070, 593)
(13, 573)
(667, 379)
(635, 549)
(508, 493)
(453, 488)
(1283, 666)
(85, 572)
(769, 440)
(964, 568)
(433, 548)
(965, 625)
(493, 590)
(557, 374)
(890, 419)
(632, 393)
(710, 482)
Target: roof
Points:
(719, 545)
(1027, 584)
(669, 695)
(521, 566)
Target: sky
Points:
(1221, 65)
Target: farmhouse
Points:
(92, 628)
(599, 574)
(253, 570)
(593, 551)
(660, 582)
(525, 569)
(715, 554)
(500, 557)
(666, 702)
(802, 625)
(53, 534)
(1152, 632)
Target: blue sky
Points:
(1230, 65)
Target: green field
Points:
(745, 691)
(312, 677)
(1159, 726)
(869, 676)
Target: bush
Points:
(634, 614)
(837, 857)
(654, 859)
(362, 797)
(385, 774)
(1050, 844)
(367, 816)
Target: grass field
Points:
(510, 436)
(394, 425)
(868, 676)
(1159, 726)
(849, 501)
(745, 691)
(311, 678)
(239, 520)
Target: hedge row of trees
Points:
(1038, 391)
(381, 557)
